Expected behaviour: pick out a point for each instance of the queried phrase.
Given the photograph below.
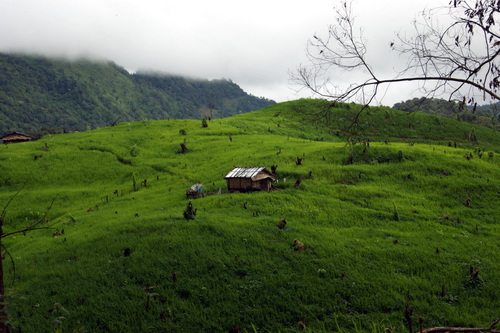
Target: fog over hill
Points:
(41, 95)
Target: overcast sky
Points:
(255, 44)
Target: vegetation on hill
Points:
(485, 115)
(397, 223)
(40, 95)
(352, 123)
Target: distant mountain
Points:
(484, 115)
(41, 95)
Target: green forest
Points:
(485, 115)
(40, 95)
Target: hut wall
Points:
(239, 184)
(263, 184)
(232, 183)
(246, 184)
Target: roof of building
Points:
(252, 173)
(16, 135)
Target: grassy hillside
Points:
(485, 115)
(406, 218)
(41, 95)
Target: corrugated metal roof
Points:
(244, 172)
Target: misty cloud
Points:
(254, 44)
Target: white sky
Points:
(255, 44)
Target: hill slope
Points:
(40, 95)
(485, 115)
(380, 220)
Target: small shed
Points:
(15, 137)
(249, 179)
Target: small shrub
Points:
(395, 214)
(134, 182)
(474, 280)
(183, 148)
(298, 246)
(409, 177)
(472, 135)
(133, 151)
(364, 154)
(190, 212)
(400, 157)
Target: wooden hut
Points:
(249, 179)
(15, 137)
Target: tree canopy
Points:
(487, 115)
(40, 95)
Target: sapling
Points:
(134, 182)
(298, 246)
(282, 224)
(133, 151)
(190, 212)
(400, 156)
(395, 214)
(183, 148)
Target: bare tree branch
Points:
(459, 59)
(490, 329)
(35, 225)
(32, 226)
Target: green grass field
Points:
(400, 216)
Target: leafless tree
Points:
(453, 51)
(41, 223)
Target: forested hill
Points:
(485, 115)
(40, 95)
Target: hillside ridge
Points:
(40, 95)
(359, 225)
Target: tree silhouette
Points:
(38, 224)
(459, 59)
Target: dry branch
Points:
(459, 59)
(490, 329)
